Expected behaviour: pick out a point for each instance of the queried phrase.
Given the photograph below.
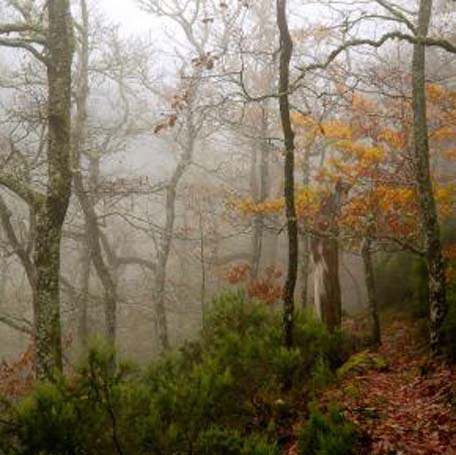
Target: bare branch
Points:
(27, 194)
(23, 44)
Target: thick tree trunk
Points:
(435, 262)
(52, 210)
(325, 258)
(327, 295)
(286, 50)
(371, 297)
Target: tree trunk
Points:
(371, 297)
(327, 295)
(52, 210)
(3, 279)
(304, 240)
(435, 263)
(86, 200)
(286, 50)
(257, 219)
(260, 191)
(83, 298)
(304, 265)
(165, 248)
(325, 258)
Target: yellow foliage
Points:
(337, 129)
(451, 153)
(303, 120)
(434, 92)
(251, 207)
(307, 203)
(394, 139)
(445, 198)
(445, 132)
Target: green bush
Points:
(217, 441)
(231, 378)
(94, 412)
(326, 433)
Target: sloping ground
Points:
(405, 408)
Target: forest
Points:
(227, 227)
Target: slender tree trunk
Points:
(165, 249)
(83, 299)
(3, 279)
(371, 296)
(87, 200)
(286, 50)
(161, 323)
(304, 265)
(203, 267)
(52, 210)
(435, 263)
(257, 219)
(260, 191)
(304, 240)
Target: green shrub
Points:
(91, 413)
(217, 441)
(231, 378)
(326, 433)
(322, 376)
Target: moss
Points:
(352, 391)
(362, 362)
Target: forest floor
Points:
(407, 407)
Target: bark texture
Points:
(304, 239)
(286, 50)
(51, 211)
(325, 258)
(371, 298)
(435, 262)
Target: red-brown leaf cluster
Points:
(407, 410)
(267, 287)
(16, 377)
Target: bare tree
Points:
(50, 208)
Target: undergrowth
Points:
(220, 395)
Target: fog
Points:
(181, 153)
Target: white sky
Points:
(126, 13)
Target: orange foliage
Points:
(238, 273)
(267, 288)
(375, 159)
(16, 378)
